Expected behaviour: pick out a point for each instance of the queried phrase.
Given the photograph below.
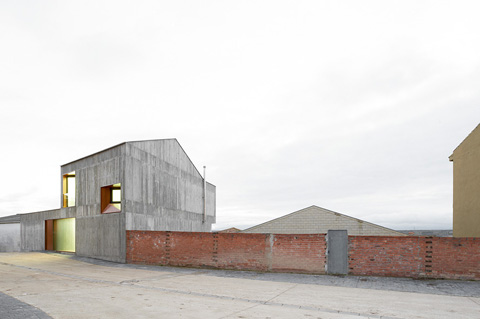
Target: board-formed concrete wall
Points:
(98, 235)
(160, 190)
(165, 190)
(32, 229)
(9, 237)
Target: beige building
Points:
(317, 220)
(466, 186)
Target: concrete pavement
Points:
(65, 286)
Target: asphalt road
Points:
(43, 285)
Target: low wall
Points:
(303, 253)
(416, 257)
(410, 256)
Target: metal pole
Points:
(204, 194)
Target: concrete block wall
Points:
(409, 256)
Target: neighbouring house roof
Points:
(13, 219)
(316, 219)
(230, 230)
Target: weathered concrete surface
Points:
(66, 286)
(9, 237)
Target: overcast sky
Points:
(353, 106)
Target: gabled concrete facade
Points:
(159, 186)
(466, 186)
(317, 220)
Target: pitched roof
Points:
(310, 222)
(117, 145)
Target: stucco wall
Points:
(9, 237)
(466, 187)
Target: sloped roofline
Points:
(450, 158)
(328, 211)
(181, 147)
(87, 156)
(139, 141)
(114, 146)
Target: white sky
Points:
(353, 106)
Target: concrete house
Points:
(141, 185)
(466, 186)
(317, 220)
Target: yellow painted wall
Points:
(466, 186)
(64, 234)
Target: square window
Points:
(111, 199)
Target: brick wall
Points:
(387, 256)
(303, 253)
(455, 258)
(410, 256)
(416, 257)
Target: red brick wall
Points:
(305, 252)
(410, 256)
(262, 252)
(456, 258)
(416, 257)
(241, 251)
(386, 256)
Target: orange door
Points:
(49, 234)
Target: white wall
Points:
(9, 237)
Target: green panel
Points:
(64, 234)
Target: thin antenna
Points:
(204, 194)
